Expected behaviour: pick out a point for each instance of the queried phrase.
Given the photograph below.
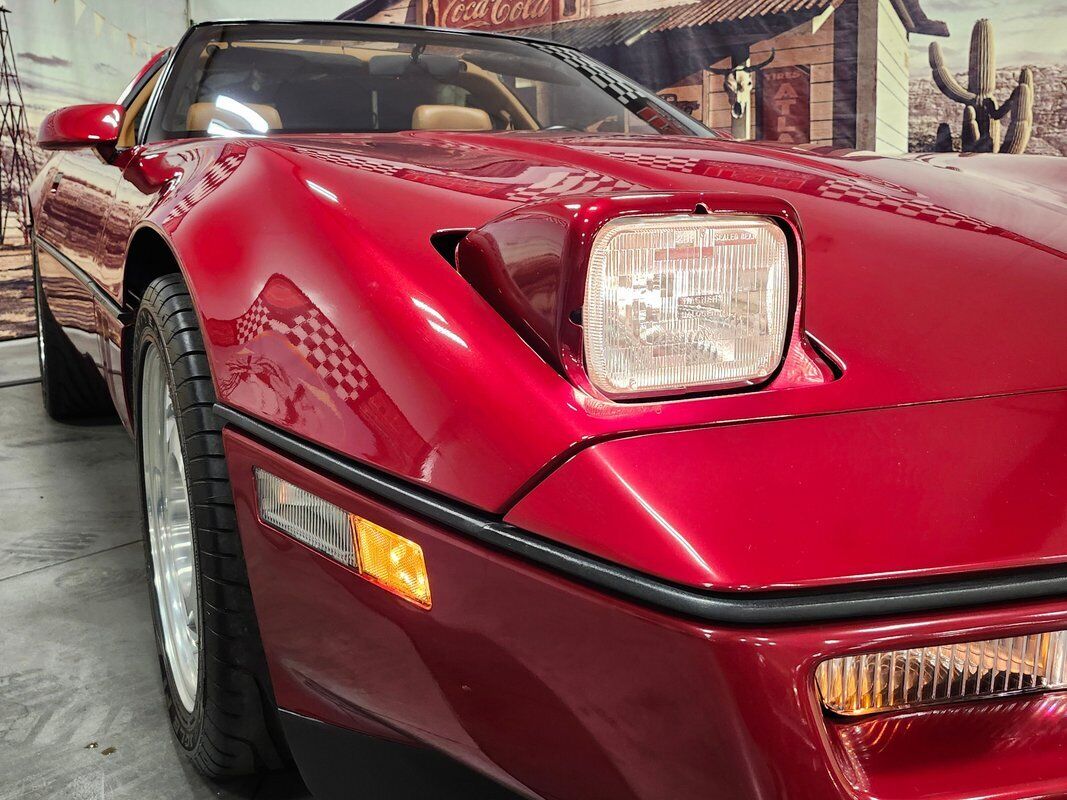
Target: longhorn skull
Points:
(738, 84)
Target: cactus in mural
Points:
(1022, 114)
(981, 115)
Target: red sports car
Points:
(504, 431)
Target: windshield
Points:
(263, 78)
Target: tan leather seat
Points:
(450, 118)
(242, 117)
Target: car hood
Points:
(928, 278)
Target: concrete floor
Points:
(18, 361)
(81, 710)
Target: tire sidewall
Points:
(40, 309)
(187, 725)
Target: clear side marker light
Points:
(309, 519)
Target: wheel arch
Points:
(149, 255)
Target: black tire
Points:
(233, 728)
(71, 385)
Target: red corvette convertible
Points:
(504, 432)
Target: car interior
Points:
(255, 88)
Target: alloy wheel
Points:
(170, 529)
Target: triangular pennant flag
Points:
(79, 9)
(98, 22)
(133, 43)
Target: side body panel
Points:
(562, 692)
(80, 206)
(75, 191)
(72, 305)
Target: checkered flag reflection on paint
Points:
(282, 308)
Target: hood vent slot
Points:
(447, 240)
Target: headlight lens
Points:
(685, 302)
(871, 682)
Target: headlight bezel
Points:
(531, 265)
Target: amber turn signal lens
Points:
(391, 561)
(921, 676)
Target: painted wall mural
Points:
(66, 52)
(882, 75)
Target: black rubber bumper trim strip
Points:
(731, 608)
(335, 762)
(102, 297)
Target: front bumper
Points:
(558, 690)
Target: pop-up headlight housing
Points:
(651, 296)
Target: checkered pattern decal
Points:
(888, 197)
(329, 355)
(670, 163)
(789, 179)
(281, 309)
(365, 163)
(564, 182)
(511, 180)
(612, 84)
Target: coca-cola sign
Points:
(491, 15)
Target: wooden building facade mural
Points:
(820, 72)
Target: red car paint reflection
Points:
(328, 372)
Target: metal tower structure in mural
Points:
(17, 164)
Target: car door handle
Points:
(55, 182)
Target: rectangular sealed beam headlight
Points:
(684, 303)
(383, 557)
(920, 676)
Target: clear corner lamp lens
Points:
(309, 519)
(677, 302)
(922, 676)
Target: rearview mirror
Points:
(396, 66)
(73, 127)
